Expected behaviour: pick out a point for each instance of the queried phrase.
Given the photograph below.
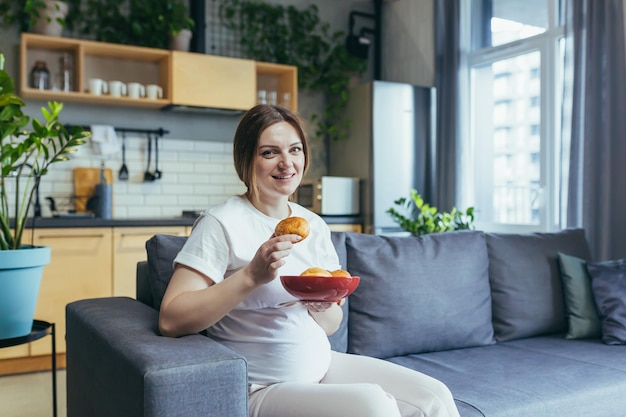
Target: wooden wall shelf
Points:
(188, 79)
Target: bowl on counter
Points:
(318, 288)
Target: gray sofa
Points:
(485, 313)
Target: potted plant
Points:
(420, 218)
(47, 17)
(134, 22)
(180, 25)
(27, 149)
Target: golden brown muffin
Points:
(316, 272)
(293, 225)
(340, 273)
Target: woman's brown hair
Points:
(246, 140)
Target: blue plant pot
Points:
(20, 279)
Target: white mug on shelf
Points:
(136, 90)
(154, 91)
(286, 100)
(261, 97)
(272, 97)
(117, 88)
(98, 86)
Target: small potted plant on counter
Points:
(27, 149)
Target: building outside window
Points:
(514, 68)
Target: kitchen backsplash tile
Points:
(196, 175)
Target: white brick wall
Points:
(196, 175)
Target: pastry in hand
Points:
(293, 225)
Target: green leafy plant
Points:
(419, 218)
(26, 155)
(131, 22)
(25, 13)
(292, 36)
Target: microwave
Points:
(330, 196)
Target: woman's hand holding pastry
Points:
(270, 257)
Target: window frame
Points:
(548, 44)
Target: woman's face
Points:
(279, 161)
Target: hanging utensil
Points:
(157, 174)
(148, 176)
(123, 174)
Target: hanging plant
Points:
(292, 36)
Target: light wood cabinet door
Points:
(129, 247)
(80, 267)
(212, 81)
(346, 228)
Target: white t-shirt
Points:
(279, 339)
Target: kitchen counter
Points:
(65, 222)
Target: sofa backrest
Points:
(435, 292)
(161, 251)
(143, 291)
(525, 281)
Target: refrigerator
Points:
(390, 148)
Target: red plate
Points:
(314, 288)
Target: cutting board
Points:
(85, 180)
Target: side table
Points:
(40, 329)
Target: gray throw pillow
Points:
(161, 251)
(583, 321)
(525, 281)
(418, 294)
(608, 280)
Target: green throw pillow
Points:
(580, 306)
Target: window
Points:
(514, 70)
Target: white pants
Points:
(357, 386)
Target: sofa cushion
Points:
(418, 294)
(582, 315)
(539, 376)
(525, 281)
(609, 289)
(161, 251)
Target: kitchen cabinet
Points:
(347, 227)
(187, 78)
(129, 247)
(90, 59)
(80, 267)
(280, 78)
(86, 262)
(201, 80)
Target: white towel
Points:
(104, 140)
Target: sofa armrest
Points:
(119, 365)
